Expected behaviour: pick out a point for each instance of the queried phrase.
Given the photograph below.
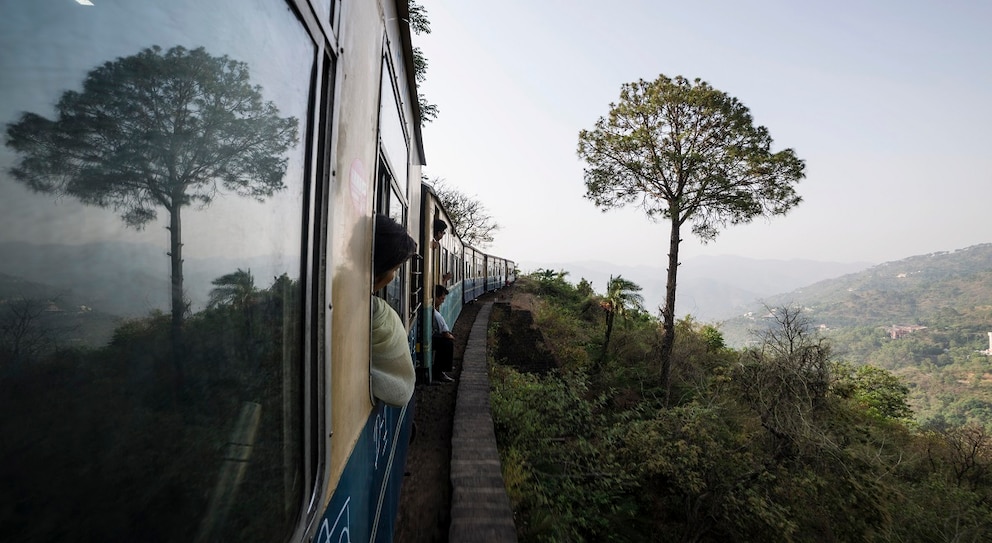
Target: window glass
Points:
(397, 211)
(151, 195)
(391, 204)
(394, 290)
(391, 132)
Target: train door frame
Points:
(386, 429)
(317, 401)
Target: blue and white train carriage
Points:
(186, 196)
(187, 192)
(467, 273)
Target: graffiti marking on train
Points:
(340, 532)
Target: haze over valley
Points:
(710, 288)
(735, 292)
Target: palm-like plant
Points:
(236, 295)
(236, 289)
(621, 297)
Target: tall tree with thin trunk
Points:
(157, 130)
(691, 154)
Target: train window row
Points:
(157, 247)
(169, 192)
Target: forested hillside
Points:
(782, 441)
(925, 318)
(948, 289)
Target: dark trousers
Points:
(444, 353)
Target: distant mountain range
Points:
(734, 292)
(116, 278)
(710, 288)
(128, 280)
(947, 288)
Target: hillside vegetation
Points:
(946, 289)
(99, 437)
(779, 441)
(925, 318)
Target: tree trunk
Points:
(606, 339)
(668, 312)
(178, 304)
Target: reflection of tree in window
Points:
(157, 130)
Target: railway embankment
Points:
(454, 489)
(480, 508)
(427, 502)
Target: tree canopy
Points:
(157, 130)
(686, 152)
(421, 24)
(469, 217)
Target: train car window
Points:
(397, 208)
(151, 238)
(393, 173)
(391, 203)
(389, 200)
(392, 134)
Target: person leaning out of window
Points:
(393, 376)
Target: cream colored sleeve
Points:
(393, 376)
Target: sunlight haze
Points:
(887, 102)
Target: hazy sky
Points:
(888, 102)
(48, 47)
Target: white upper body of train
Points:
(187, 194)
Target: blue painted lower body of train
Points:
(187, 202)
